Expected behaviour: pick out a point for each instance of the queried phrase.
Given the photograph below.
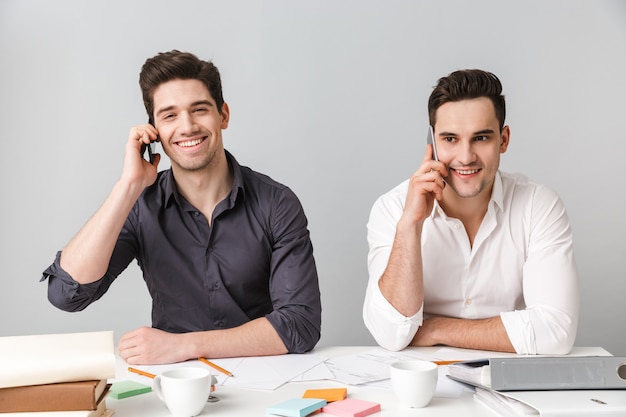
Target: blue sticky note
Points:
(297, 407)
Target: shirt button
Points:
(468, 301)
(219, 324)
(457, 226)
(196, 213)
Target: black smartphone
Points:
(430, 138)
(151, 148)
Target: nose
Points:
(186, 123)
(466, 154)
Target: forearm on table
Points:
(481, 334)
(86, 257)
(254, 338)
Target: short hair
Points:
(168, 66)
(464, 85)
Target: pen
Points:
(214, 366)
(140, 372)
(445, 362)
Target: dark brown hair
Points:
(464, 85)
(168, 66)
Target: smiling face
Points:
(189, 124)
(469, 142)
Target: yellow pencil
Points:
(214, 366)
(140, 372)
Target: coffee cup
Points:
(183, 390)
(414, 382)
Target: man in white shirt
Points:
(464, 255)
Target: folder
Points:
(566, 403)
(543, 373)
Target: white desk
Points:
(243, 402)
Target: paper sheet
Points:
(258, 372)
(372, 368)
(51, 358)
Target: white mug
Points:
(183, 390)
(414, 382)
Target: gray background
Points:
(326, 96)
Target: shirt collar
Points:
(171, 190)
(497, 194)
(497, 197)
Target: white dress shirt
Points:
(521, 267)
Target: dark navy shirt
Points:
(255, 260)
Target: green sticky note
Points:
(124, 389)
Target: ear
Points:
(225, 115)
(505, 136)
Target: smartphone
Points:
(151, 151)
(151, 148)
(430, 138)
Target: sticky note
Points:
(351, 407)
(297, 407)
(124, 389)
(328, 394)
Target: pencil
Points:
(445, 362)
(140, 372)
(214, 366)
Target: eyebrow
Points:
(478, 133)
(194, 104)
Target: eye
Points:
(481, 138)
(449, 139)
(201, 110)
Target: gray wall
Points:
(326, 96)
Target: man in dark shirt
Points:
(225, 251)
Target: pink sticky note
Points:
(351, 407)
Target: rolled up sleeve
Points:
(390, 329)
(67, 294)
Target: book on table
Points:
(68, 379)
(67, 358)
(64, 396)
(100, 411)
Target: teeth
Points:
(190, 143)
(467, 172)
